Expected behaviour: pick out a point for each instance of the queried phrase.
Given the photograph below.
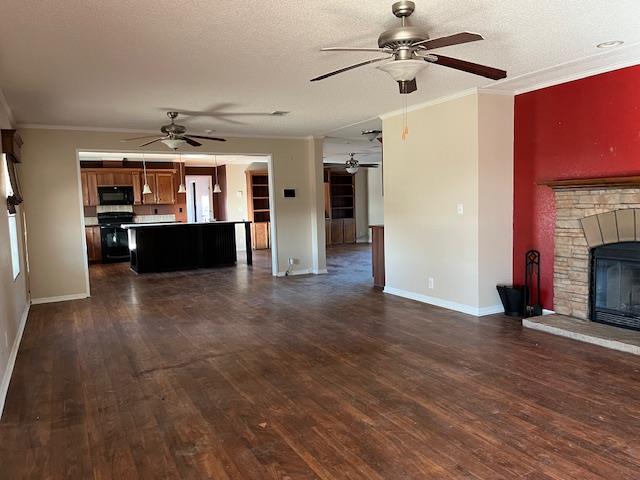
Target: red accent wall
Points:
(581, 129)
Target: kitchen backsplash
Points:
(154, 218)
(114, 208)
(92, 221)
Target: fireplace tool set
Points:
(518, 300)
(531, 274)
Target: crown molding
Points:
(430, 103)
(578, 76)
(76, 128)
(584, 67)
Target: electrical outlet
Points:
(292, 261)
(430, 283)
(460, 209)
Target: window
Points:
(13, 225)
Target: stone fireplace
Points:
(596, 262)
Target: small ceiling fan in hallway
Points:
(409, 49)
(174, 135)
(352, 165)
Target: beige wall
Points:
(495, 181)
(449, 160)
(362, 207)
(53, 203)
(375, 201)
(13, 293)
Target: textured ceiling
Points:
(122, 63)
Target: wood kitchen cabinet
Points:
(136, 181)
(377, 255)
(166, 191)
(89, 189)
(260, 235)
(258, 208)
(118, 178)
(94, 244)
(337, 232)
(162, 183)
(105, 179)
(150, 198)
(349, 230)
(163, 191)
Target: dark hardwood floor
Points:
(233, 374)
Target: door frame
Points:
(272, 203)
(210, 182)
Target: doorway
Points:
(199, 199)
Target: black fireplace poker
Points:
(532, 273)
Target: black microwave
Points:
(115, 195)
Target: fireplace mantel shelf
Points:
(601, 182)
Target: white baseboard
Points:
(62, 298)
(439, 302)
(548, 312)
(322, 271)
(305, 271)
(6, 378)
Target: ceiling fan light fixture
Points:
(403, 70)
(173, 143)
(352, 170)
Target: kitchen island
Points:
(164, 247)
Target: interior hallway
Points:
(232, 374)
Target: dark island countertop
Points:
(176, 224)
(163, 247)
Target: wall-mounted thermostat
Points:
(289, 192)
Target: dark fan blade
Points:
(458, 38)
(361, 64)
(138, 138)
(208, 138)
(476, 69)
(369, 165)
(152, 141)
(192, 142)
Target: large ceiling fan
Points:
(174, 135)
(352, 165)
(409, 47)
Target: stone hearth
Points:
(586, 218)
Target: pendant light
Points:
(181, 188)
(146, 190)
(216, 187)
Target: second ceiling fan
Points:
(408, 49)
(352, 165)
(174, 135)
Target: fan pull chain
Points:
(405, 120)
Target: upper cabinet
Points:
(89, 189)
(137, 188)
(162, 183)
(163, 188)
(166, 191)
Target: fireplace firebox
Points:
(615, 284)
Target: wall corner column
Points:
(316, 179)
